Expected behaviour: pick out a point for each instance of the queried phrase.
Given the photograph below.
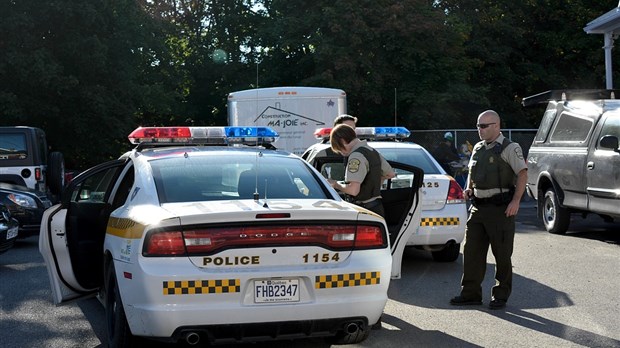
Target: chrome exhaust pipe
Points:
(351, 328)
(192, 338)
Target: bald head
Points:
(489, 116)
(488, 125)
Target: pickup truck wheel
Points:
(555, 218)
(448, 254)
(119, 334)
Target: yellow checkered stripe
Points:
(125, 228)
(346, 280)
(440, 221)
(193, 287)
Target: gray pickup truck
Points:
(574, 160)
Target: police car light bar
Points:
(372, 133)
(203, 135)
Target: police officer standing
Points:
(496, 182)
(362, 179)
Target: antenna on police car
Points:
(256, 195)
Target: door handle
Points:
(590, 165)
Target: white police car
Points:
(229, 243)
(444, 211)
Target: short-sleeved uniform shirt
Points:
(512, 154)
(358, 166)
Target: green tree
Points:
(218, 48)
(77, 70)
(382, 53)
(527, 47)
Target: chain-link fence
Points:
(430, 138)
(464, 140)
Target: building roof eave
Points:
(607, 23)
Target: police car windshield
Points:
(230, 175)
(413, 157)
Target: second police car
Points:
(206, 239)
(444, 211)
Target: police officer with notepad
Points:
(363, 174)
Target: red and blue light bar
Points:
(203, 135)
(370, 133)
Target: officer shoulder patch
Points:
(354, 165)
(519, 152)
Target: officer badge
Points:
(354, 165)
(491, 160)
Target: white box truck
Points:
(294, 112)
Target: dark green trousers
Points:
(488, 225)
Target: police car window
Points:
(333, 170)
(229, 176)
(95, 187)
(13, 146)
(123, 189)
(412, 157)
(571, 128)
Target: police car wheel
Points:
(555, 218)
(448, 254)
(119, 334)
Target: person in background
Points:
(446, 152)
(362, 179)
(315, 150)
(496, 182)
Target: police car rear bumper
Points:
(153, 313)
(438, 230)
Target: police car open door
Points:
(402, 197)
(72, 233)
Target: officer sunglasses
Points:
(484, 125)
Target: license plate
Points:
(276, 290)
(12, 233)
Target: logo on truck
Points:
(282, 118)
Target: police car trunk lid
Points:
(266, 233)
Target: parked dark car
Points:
(26, 205)
(9, 229)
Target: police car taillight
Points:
(203, 135)
(370, 133)
(212, 240)
(455, 193)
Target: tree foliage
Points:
(90, 72)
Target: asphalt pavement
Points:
(565, 294)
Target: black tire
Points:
(56, 173)
(448, 254)
(119, 334)
(555, 218)
(349, 338)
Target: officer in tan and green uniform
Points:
(496, 182)
(363, 175)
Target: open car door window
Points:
(72, 233)
(401, 200)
